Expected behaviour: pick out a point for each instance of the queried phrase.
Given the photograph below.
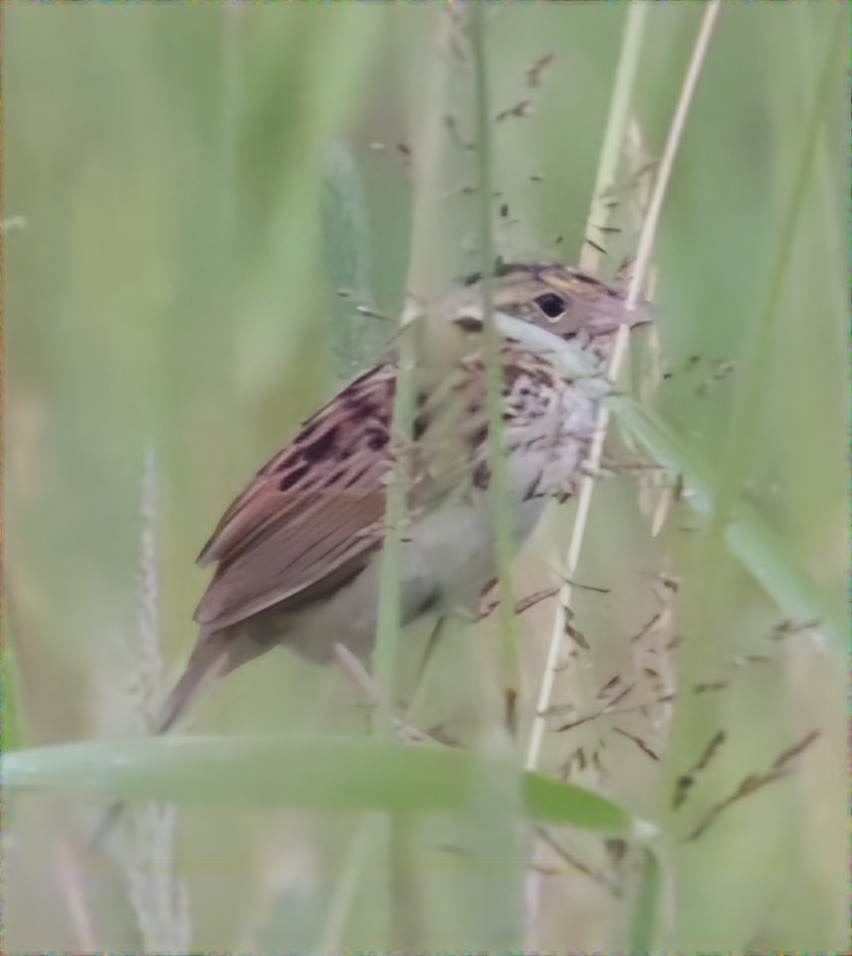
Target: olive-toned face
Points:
(555, 298)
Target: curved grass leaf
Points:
(760, 549)
(317, 773)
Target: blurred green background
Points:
(186, 187)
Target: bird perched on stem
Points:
(296, 553)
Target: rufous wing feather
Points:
(313, 514)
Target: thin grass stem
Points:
(643, 259)
(499, 487)
(645, 246)
(427, 155)
(616, 130)
(622, 96)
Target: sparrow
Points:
(296, 554)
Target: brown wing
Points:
(313, 515)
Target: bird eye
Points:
(551, 304)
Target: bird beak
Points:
(608, 317)
(641, 314)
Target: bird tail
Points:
(213, 656)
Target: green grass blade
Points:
(760, 550)
(647, 905)
(318, 773)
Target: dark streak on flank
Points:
(479, 436)
(532, 490)
(511, 373)
(421, 423)
(481, 475)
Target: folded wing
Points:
(312, 516)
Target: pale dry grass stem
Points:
(141, 839)
(613, 150)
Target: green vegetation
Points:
(186, 189)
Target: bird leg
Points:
(356, 671)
